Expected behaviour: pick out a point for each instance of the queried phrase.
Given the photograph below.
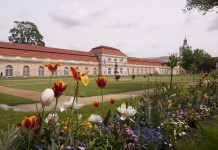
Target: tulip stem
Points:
(29, 140)
(50, 80)
(102, 103)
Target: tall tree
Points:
(186, 59)
(197, 61)
(201, 5)
(204, 62)
(172, 63)
(26, 33)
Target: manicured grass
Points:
(12, 100)
(125, 84)
(12, 117)
(208, 139)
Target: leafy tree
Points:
(172, 63)
(26, 33)
(197, 61)
(203, 61)
(201, 5)
(186, 59)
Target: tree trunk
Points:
(171, 77)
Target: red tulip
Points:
(52, 67)
(112, 101)
(96, 104)
(101, 82)
(58, 88)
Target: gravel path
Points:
(84, 100)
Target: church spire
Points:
(185, 42)
(185, 45)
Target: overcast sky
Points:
(140, 28)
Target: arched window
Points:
(109, 71)
(94, 71)
(66, 71)
(133, 71)
(41, 71)
(9, 71)
(121, 70)
(26, 71)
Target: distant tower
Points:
(184, 46)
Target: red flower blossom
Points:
(58, 88)
(52, 67)
(32, 123)
(101, 82)
(96, 104)
(112, 101)
(78, 75)
(204, 75)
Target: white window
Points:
(26, 71)
(41, 71)
(9, 71)
(109, 71)
(121, 70)
(127, 71)
(66, 71)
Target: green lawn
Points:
(207, 141)
(7, 118)
(123, 85)
(12, 100)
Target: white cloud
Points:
(213, 25)
(70, 16)
(121, 23)
(144, 28)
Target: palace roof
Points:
(143, 61)
(24, 50)
(107, 50)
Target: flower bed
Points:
(157, 122)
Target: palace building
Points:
(20, 60)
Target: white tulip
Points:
(126, 112)
(156, 71)
(52, 118)
(69, 104)
(95, 118)
(47, 97)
